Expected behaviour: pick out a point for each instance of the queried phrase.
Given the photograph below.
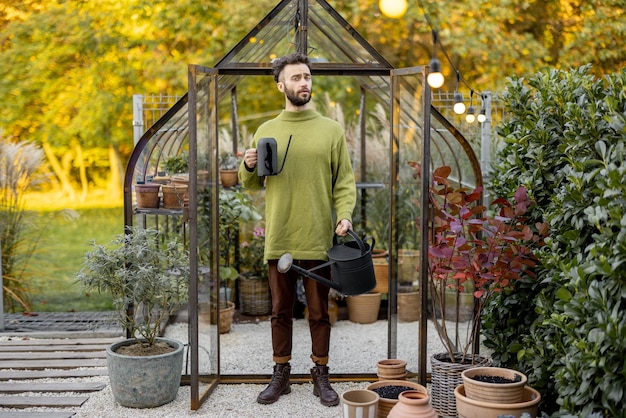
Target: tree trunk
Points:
(82, 170)
(117, 170)
(57, 169)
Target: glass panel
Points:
(206, 315)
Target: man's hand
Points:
(342, 227)
(250, 158)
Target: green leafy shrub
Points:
(565, 141)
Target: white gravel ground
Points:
(246, 349)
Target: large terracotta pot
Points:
(486, 384)
(446, 376)
(470, 408)
(175, 195)
(363, 309)
(409, 306)
(381, 270)
(413, 404)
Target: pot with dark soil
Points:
(389, 390)
(494, 384)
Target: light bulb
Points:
(481, 116)
(393, 8)
(434, 78)
(470, 118)
(459, 106)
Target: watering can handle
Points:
(358, 240)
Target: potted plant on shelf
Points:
(229, 165)
(148, 277)
(254, 290)
(472, 246)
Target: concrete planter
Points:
(145, 381)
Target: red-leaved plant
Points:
(473, 246)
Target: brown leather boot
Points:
(321, 386)
(279, 385)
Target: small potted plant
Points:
(229, 165)
(472, 246)
(148, 277)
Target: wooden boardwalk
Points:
(27, 364)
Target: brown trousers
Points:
(283, 288)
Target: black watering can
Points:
(267, 157)
(351, 266)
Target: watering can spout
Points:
(285, 263)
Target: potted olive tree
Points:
(472, 246)
(148, 277)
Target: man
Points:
(316, 178)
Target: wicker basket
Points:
(446, 376)
(254, 296)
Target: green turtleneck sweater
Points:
(316, 180)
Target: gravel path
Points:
(246, 349)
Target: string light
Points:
(434, 78)
(459, 106)
(393, 8)
(470, 118)
(398, 8)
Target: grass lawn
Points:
(61, 250)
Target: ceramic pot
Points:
(226, 317)
(359, 403)
(413, 404)
(385, 403)
(391, 369)
(470, 408)
(490, 388)
(363, 309)
(145, 381)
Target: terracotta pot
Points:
(147, 195)
(226, 317)
(228, 178)
(446, 376)
(497, 392)
(175, 195)
(381, 270)
(408, 306)
(408, 262)
(359, 403)
(413, 404)
(363, 309)
(470, 408)
(391, 369)
(385, 404)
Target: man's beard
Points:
(296, 100)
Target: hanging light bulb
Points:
(434, 78)
(393, 8)
(482, 116)
(459, 106)
(470, 118)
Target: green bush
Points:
(565, 141)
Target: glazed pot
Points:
(359, 403)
